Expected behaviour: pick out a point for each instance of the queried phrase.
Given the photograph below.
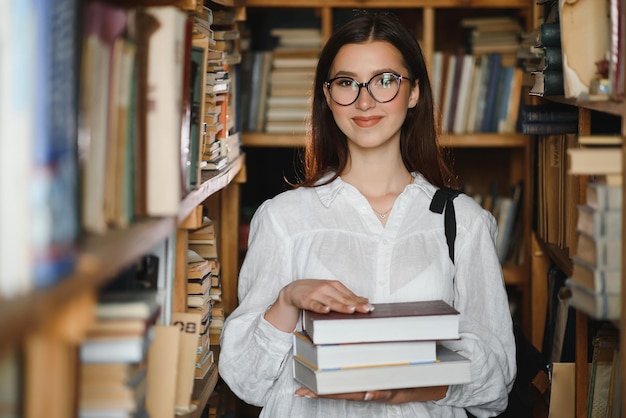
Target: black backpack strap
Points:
(437, 205)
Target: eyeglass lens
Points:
(382, 87)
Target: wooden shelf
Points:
(212, 182)
(100, 258)
(478, 140)
(202, 390)
(505, 4)
(610, 107)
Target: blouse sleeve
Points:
(253, 352)
(486, 325)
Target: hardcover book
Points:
(599, 280)
(604, 306)
(401, 321)
(450, 368)
(333, 356)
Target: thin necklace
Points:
(383, 215)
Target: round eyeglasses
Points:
(383, 88)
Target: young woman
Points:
(358, 230)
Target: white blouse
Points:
(331, 232)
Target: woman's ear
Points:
(415, 95)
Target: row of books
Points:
(128, 120)
(394, 346)
(476, 93)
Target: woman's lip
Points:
(366, 121)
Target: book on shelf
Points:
(188, 324)
(401, 321)
(605, 349)
(549, 113)
(549, 128)
(333, 356)
(600, 251)
(582, 48)
(116, 349)
(450, 368)
(162, 371)
(599, 280)
(617, 75)
(603, 197)
(599, 223)
(124, 304)
(599, 305)
(99, 394)
(53, 168)
(599, 140)
(547, 83)
(163, 117)
(102, 51)
(594, 160)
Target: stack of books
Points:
(596, 273)
(288, 103)
(548, 76)
(114, 354)
(394, 346)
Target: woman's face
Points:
(366, 122)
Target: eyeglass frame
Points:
(366, 85)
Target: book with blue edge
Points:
(333, 356)
(450, 368)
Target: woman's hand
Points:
(393, 396)
(316, 295)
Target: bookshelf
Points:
(45, 326)
(512, 151)
(545, 253)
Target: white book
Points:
(460, 117)
(450, 369)
(165, 75)
(334, 356)
(17, 124)
(599, 223)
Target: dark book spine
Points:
(550, 34)
(549, 128)
(553, 58)
(553, 84)
(541, 113)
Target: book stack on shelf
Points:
(207, 297)
(113, 356)
(224, 71)
(548, 75)
(290, 79)
(493, 34)
(397, 345)
(596, 275)
(199, 301)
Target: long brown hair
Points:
(326, 146)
